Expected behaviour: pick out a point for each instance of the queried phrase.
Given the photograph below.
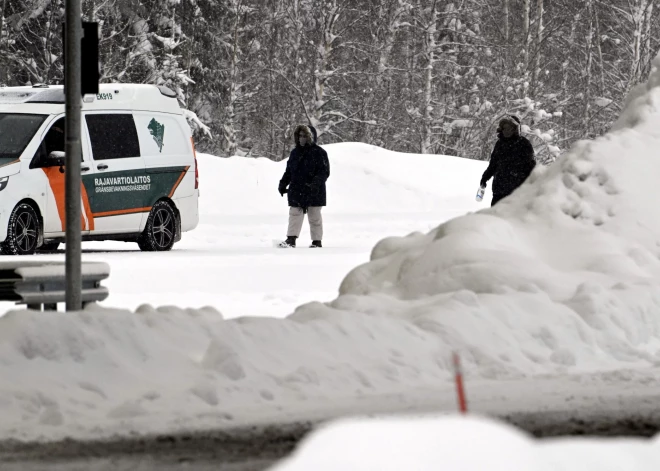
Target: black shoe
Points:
(290, 242)
(315, 244)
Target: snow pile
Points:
(562, 275)
(104, 372)
(460, 443)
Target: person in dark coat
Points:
(511, 161)
(307, 170)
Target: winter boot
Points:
(289, 243)
(316, 244)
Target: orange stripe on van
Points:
(87, 208)
(178, 182)
(118, 212)
(56, 183)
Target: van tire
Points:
(160, 232)
(23, 231)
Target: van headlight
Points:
(3, 183)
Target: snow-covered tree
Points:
(412, 75)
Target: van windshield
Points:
(16, 132)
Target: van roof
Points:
(111, 96)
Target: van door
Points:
(118, 181)
(52, 140)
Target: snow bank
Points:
(460, 443)
(105, 372)
(562, 276)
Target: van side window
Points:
(53, 142)
(113, 136)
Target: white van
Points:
(139, 168)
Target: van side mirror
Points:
(57, 159)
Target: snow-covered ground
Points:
(460, 443)
(229, 261)
(115, 365)
(552, 299)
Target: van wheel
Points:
(159, 234)
(22, 231)
(49, 246)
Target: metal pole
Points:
(73, 149)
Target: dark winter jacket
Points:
(307, 170)
(511, 162)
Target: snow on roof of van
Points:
(111, 96)
(16, 94)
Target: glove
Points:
(483, 184)
(282, 191)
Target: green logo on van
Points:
(157, 131)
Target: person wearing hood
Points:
(307, 170)
(511, 161)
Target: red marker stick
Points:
(460, 389)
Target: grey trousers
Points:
(296, 218)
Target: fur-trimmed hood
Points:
(306, 131)
(512, 119)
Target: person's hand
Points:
(282, 191)
(483, 184)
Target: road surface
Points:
(257, 448)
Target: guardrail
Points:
(40, 284)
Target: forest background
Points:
(422, 76)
